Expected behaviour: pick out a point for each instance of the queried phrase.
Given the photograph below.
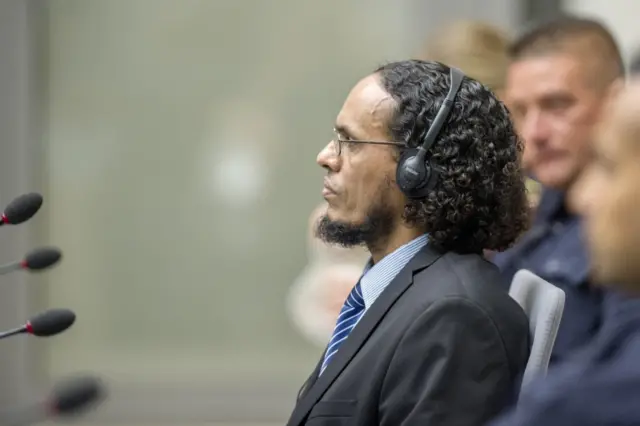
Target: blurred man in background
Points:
(601, 385)
(559, 78)
(427, 335)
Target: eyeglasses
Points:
(339, 140)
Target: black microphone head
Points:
(75, 394)
(22, 208)
(41, 258)
(51, 322)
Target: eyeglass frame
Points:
(338, 141)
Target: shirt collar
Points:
(551, 206)
(377, 277)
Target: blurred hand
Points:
(317, 295)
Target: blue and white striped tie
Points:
(350, 313)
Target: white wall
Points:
(620, 15)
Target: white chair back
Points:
(544, 304)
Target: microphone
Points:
(21, 209)
(45, 324)
(36, 260)
(69, 397)
(74, 394)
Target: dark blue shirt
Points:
(554, 249)
(598, 385)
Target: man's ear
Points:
(614, 89)
(610, 93)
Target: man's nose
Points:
(536, 129)
(328, 158)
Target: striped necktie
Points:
(350, 313)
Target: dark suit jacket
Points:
(444, 344)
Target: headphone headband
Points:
(456, 77)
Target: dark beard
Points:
(373, 232)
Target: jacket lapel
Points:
(312, 378)
(313, 391)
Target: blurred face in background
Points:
(607, 194)
(554, 106)
(363, 203)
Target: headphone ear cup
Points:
(412, 175)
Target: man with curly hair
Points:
(428, 336)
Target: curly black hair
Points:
(480, 201)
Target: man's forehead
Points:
(554, 64)
(544, 73)
(367, 105)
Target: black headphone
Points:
(416, 175)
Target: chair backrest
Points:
(543, 303)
